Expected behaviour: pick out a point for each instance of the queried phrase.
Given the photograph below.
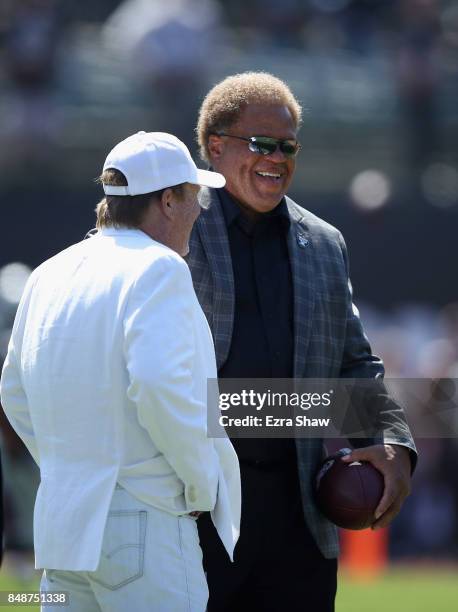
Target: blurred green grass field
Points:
(399, 590)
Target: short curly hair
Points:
(226, 100)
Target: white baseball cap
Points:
(151, 161)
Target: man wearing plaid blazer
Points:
(272, 279)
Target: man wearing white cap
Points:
(105, 382)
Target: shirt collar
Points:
(122, 231)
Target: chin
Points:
(269, 200)
(267, 204)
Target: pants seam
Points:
(180, 537)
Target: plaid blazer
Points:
(329, 341)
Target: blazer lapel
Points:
(212, 230)
(301, 256)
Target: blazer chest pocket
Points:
(123, 549)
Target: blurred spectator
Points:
(282, 23)
(170, 45)
(427, 526)
(419, 343)
(419, 78)
(30, 45)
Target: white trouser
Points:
(151, 561)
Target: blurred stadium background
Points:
(379, 81)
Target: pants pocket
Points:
(123, 549)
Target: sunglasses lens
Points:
(267, 146)
(288, 149)
(263, 147)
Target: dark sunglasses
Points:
(263, 145)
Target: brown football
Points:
(348, 493)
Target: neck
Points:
(249, 213)
(161, 231)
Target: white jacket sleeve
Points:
(160, 345)
(13, 397)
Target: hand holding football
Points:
(349, 493)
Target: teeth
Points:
(269, 174)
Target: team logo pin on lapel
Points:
(302, 241)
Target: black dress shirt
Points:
(262, 343)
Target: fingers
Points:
(396, 490)
(389, 498)
(386, 518)
(355, 455)
(377, 455)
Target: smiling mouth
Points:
(274, 176)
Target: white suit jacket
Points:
(105, 381)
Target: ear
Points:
(167, 203)
(215, 146)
